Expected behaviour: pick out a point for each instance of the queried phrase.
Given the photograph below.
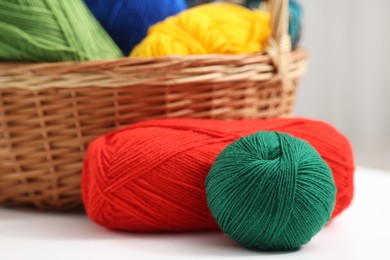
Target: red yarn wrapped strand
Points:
(150, 176)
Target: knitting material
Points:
(295, 14)
(150, 176)
(216, 28)
(127, 21)
(48, 30)
(270, 191)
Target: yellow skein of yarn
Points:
(207, 29)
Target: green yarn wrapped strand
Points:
(270, 191)
(46, 30)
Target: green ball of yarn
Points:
(52, 30)
(270, 191)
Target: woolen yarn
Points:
(270, 191)
(127, 21)
(216, 28)
(48, 30)
(150, 176)
(295, 14)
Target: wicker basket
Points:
(49, 112)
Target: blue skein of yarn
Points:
(295, 25)
(295, 10)
(127, 21)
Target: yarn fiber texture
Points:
(150, 176)
(295, 18)
(216, 28)
(49, 30)
(295, 15)
(127, 21)
(295, 22)
(270, 191)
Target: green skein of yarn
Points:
(52, 30)
(270, 191)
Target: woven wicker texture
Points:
(49, 112)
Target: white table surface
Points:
(361, 232)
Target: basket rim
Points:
(263, 56)
(162, 71)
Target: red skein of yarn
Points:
(150, 176)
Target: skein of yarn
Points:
(150, 176)
(295, 14)
(127, 21)
(295, 24)
(48, 30)
(270, 191)
(295, 18)
(192, 3)
(207, 29)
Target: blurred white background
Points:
(348, 79)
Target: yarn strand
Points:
(52, 31)
(150, 175)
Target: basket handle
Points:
(279, 45)
(279, 20)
